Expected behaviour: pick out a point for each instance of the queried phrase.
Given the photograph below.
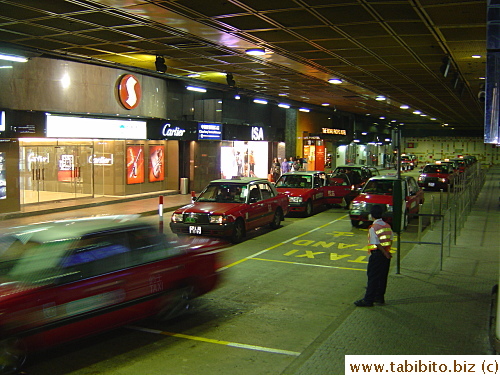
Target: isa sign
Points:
(209, 132)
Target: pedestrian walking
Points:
(380, 238)
(275, 169)
(285, 166)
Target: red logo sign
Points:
(129, 91)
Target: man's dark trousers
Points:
(377, 272)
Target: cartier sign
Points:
(169, 131)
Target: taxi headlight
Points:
(442, 179)
(358, 205)
(422, 177)
(177, 218)
(295, 199)
(217, 219)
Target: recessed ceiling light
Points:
(15, 58)
(197, 89)
(255, 51)
(282, 94)
(193, 75)
(380, 98)
(476, 56)
(303, 110)
(417, 112)
(237, 97)
(284, 105)
(382, 118)
(404, 106)
(260, 101)
(325, 104)
(335, 81)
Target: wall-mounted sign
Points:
(179, 130)
(129, 91)
(89, 127)
(257, 133)
(2, 121)
(209, 132)
(333, 131)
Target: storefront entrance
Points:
(54, 170)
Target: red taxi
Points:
(341, 190)
(379, 191)
(230, 208)
(437, 176)
(68, 279)
(358, 174)
(407, 162)
(306, 190)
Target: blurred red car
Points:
(65, 280)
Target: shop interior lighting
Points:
(284, 105)
(304, 110)
(335, 81)
(14, 58)
(197, 89)
(260, 101)
(255, 51)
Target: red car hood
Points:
(10, 289)
(374, 198)
(293, 192)
(209, 207)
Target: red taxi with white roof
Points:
(306, 190)
(230, 208)
(379, 191)
(341, 190)
(437, 176)
(64, 280)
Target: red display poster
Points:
(135, 164)
(67, 171)
(320, 158)
(156, 163)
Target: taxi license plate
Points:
(431, 184)
(194, 230)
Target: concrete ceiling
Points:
(395, 48)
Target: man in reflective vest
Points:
(379, 244)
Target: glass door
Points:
(55, 171)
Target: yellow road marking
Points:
(311, 265)
(281, 243)
(218, 342)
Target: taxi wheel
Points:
(278, 216)
(309, 209)
(12, 356)
(176, 303)
(238, 231)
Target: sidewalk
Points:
(428, 311)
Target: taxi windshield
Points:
(224, 193)
(435, 169)
(379, 187)
(31, 262)
(294, 181)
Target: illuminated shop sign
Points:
(209, 132)
(129, 91)
(257, 133)
(333, 131)
(2, 121)
(101, 159)
(87, 127)
(35, 158)
(170, 131)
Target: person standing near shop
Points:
(380, 238)
(285, 166)
(275, 169)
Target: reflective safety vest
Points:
(384, 234)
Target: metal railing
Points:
(452, 209)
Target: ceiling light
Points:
(260, 101)
(282, 94)
(335, 81)
(15, 58)
(6, 67)
(404, 106)
(255, 51)
(482, 77)
(476, 56)
(433, 118)
(387, 139)
(284, 105)
(304, 110)
(237, 97)
(197, 89)
(380, 98)
(417, 112)
(382, 118)
(325, 104)
(193, 75)
(364, 133)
